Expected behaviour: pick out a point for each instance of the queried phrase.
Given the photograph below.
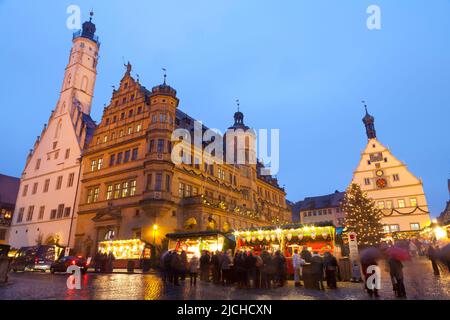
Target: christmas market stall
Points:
(194, 242)
(317, 238)
(126, 251)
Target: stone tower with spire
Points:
(388, 181)
(48, 189)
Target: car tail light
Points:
(80, 257)
(36, 260)
(74, 262)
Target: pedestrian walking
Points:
(297, 264)
(317, 270)
(184, 265)
(250, 265)
(175, 265)
(204, 266)
(280, 263)
(396, 272)
(259, 265)
(266, 272)
(194, 265)
(433, 255)
(216, 261)
(330, 266)
(225, 267)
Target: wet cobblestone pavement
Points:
(419, 280)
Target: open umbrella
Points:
(445, 252)
(369, 255)
(398, 253)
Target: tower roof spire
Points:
(369, 123)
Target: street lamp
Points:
(155, 228)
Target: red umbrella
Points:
(398, 253)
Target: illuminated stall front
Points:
(193, 243)
(126, 250)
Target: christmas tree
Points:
(362, 217)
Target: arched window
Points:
(109, 235)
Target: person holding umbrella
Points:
(395, 257)
(369, 257)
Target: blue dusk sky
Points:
(299, 66)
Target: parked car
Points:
(63, 263)
(36, 258)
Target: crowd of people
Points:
(103, 262)
(245, 269)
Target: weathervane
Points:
(238, 104)
(365, 105)
(165, 74)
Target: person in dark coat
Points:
(330, 266)
(280, 263)
(175, 265)
(433, 255)
(204, 266)
(239, 266)
(266, 274)
(306, 255)
(250, 265)
(216, 261)
(317, 269)
(183, 265)
(396, 272)
(167, 261)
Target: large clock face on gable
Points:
(381, 183)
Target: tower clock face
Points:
(381, 183)
(380, 173)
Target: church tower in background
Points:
(387, 180)
(45, 207)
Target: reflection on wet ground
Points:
(419, 279)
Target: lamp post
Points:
(155, 229)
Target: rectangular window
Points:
(134, 155)
(35, 187)
(112, 160)
(99, 163)
(41, 213)
(119, 158)
(394, 227)
(380, 205)
(105, 139)
(130, 130)
(413, 202)
(96, 192)
(126, 158)
(167, 183)
(30, 213)
(188, 190)
(138, 127)
(66, 212)
(20, 214)
(160, 147)
(132, 187)
(158, 182)
(396, 177)
(70, 181)
(109, 191)
(389, 204)
(181, 190)
(46, 185)
(117, 191)
(25, 191)
(93, 165)
(401, 203)
(60, 212)
(415, 226)
(367, 181)
(38, 164)
(125, 189)
(67, 153)
(152, 145)
(59, 183)
(53, 214)
(194, 191)
(90, 196)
